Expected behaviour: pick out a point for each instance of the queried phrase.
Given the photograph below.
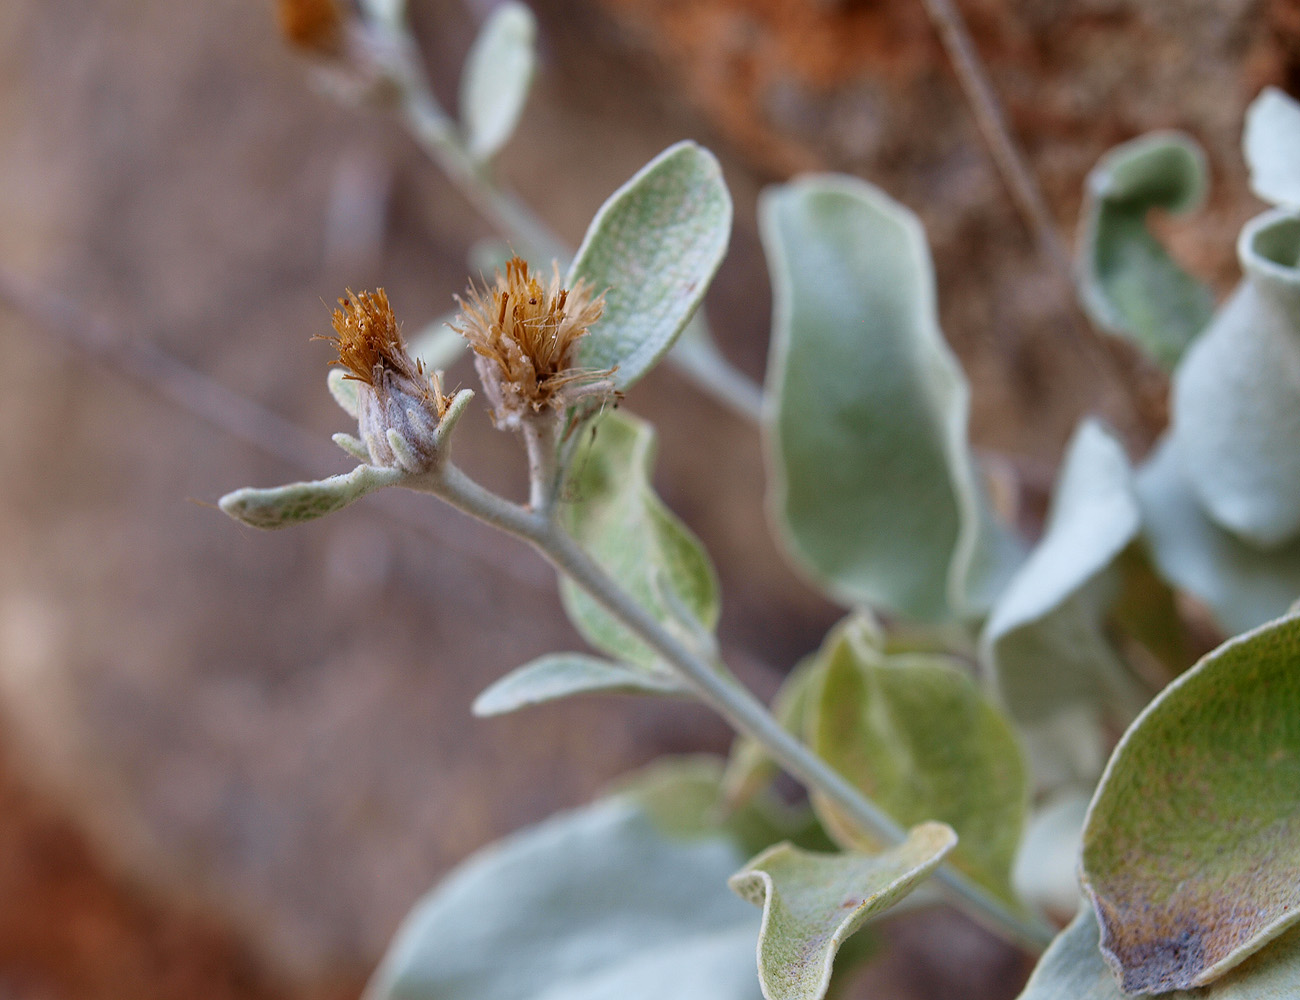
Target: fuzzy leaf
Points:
(873, 488)
(917, 736)
(497, 76)
(282, 506)
(1272, 147)
(614, 514)
(1044, 638)
(653, 249)
(1191, 849)
(596, 904)
(1130, 285)
(812, 902)
(1242, 585)
(1073, 969)
(560, 675)
(1236, 397)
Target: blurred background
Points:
(230, 761)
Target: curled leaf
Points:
(1236, 396)
(1130, 285)
(282, 506)
(1192, 843)
(560, 675)
(813, 902)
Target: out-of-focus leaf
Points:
(653, 249)
(497, 76)
(438, 346)
(1073, 969)
(1047, 868)
(613, 513)
(282, 506)
(595, 904)
(1129, 284)
(917, 736)
(1236, 396)
(561, 675)
(1242, 585)
(1044, 638)
(1192, 843)
(874, 491)
(813, 902)
(1272, 147)
(389, 13)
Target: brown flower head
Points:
(525, 335)
(394, 391)
(315, 26)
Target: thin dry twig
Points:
(242, 418)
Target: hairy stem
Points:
(718, 689)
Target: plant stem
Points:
(718, 689)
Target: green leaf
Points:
(1044, 638)
(1129, 284)
(873, 488)
(653, 249)
(1272, 147)
(1073, 969)
(1243, 586)
(1236, 396)
(497, 76)
(812, 902)
(596, 904)
(1192, 843)
(560, 675)
(917, 736)
(613, 513)
(281, 506)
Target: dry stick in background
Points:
(242, 418)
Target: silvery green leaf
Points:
(813, 902)
(560, 675)
(282, 506)
(1272, 147)
(596, 904)
(1073, 969)
(1236, 396)
(749, 768)
(1130, 285)
(497, 76)
(874, 491)
(389, 13)
(1192, 842)
(1242, 585)
(917, 735)
(1044, 638)
(611, 510)
(653, 249)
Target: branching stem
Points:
(716, 687)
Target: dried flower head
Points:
(525, 335)
(395, 392)
(314, 26)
